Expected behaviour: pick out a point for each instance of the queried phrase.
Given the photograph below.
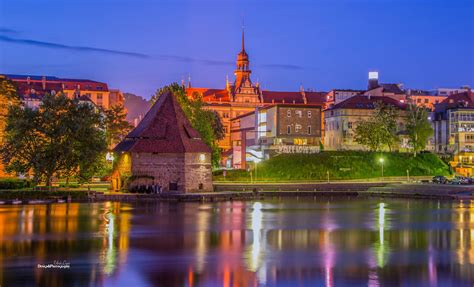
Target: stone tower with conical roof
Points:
(165, 150)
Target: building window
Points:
(288, 129)
(99, 96)
(309, 114)
(426, 101)
(418, 100)
(349, 125)
(309, 130)
(225, 115)
(297, 128)
(288, 113)
(299, 114)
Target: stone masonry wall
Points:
(188, 170)
(198, 171)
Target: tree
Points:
(380, 129)
(116, 125)
(418, 127)
(62, 138)
(8, 98)
(206, 122)
(370, 134)
(386, 116)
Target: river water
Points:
(286, 242)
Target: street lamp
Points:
(381, 162)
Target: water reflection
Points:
(285, 242)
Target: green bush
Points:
(13, 183)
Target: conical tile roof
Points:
(164, 129)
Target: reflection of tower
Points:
(255, 261)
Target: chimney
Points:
(373, 80)
(43, 82)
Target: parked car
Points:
(440, 179)
(461, 180)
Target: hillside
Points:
(342, 165)
(135, 106)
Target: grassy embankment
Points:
(342, 165)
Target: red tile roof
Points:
(316, 97)
(69, 84)
(460, 100)
(164, 129)
(210, 95)
(367, 102)
(282, 97)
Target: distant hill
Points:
(136, 106)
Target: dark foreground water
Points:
(306, 242)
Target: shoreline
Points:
(237, 192)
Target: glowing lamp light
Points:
(109, 156)
(202, 157)
(381, 160)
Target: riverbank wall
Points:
(260, 191)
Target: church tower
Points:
(244, 90)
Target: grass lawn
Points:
(342, 165)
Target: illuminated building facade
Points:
(32, 89)
(454, 130)
(341, 120)
(275, 129)
(243, 96)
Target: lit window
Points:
(299, 113)
(297, 128)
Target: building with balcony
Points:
(454, 130)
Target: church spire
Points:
(243, 38)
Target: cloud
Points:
(69, 47)
(282, 66)
(176, 58)
(4, 30)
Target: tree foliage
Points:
(206, 122)
(8, 98)
(386, 116)
(418, 127)
(62, 138)
(380, 130)
(116, 125)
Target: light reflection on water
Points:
(274, 242)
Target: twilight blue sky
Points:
(140, 45)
